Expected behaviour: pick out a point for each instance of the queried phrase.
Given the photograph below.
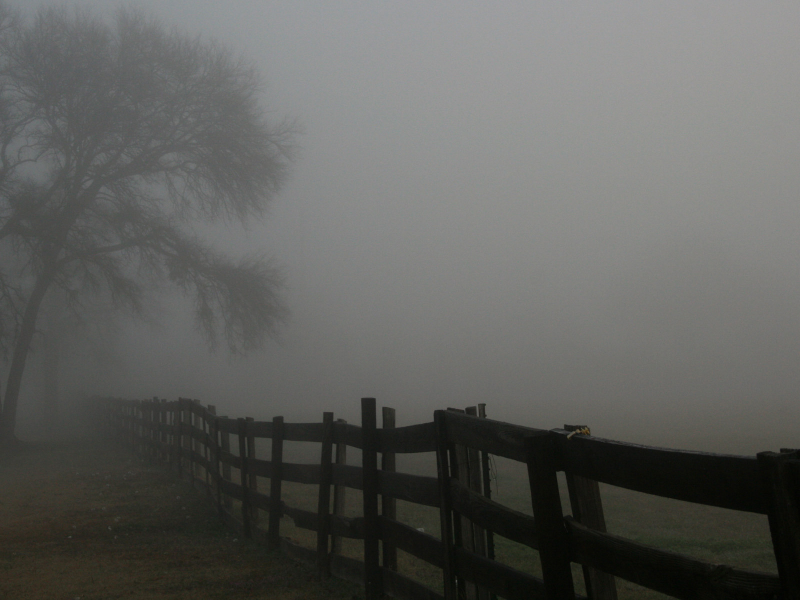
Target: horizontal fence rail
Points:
(198, 444)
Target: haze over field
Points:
(572, 212)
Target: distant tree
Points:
(116, 141)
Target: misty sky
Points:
(574, 212)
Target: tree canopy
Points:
(116, 140)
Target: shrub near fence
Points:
(197, 442)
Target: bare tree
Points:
(116, 140)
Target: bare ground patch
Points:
(88, 520)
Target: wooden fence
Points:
(197, 442)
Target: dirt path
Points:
(88, 521)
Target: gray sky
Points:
(574, 212)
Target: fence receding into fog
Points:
(219, 454)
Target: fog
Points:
(573, 212)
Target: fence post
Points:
(177, 417)
(147, 430)
(126, 422)
(178, 422)
(780, 478)
(339, 492)
(445, 506)
(243, 477)
(214, 435)
(275, 504)
(225, 443)
(212, 456)
(197, 425)
(372, 570)
(389, 505)
(462, 527)
(174, 436)
(137, 426)
(134, 425)
(130, 424)
(587, 508)
(144, 430)
(475, 483)
(153, 436)
(549, 518)
(163, 428)
(150, 415)
(253, 479)
(155, 447)
(186, 429)
(487, 486)
(323, 504)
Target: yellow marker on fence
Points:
(582, 431)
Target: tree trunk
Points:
(8, 420)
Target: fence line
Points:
(196, 442)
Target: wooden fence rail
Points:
(196, 442)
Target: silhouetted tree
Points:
(116, 141)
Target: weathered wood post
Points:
(137, 427)
(215, 461)
(389, 505)
(210, 446)
(177, 415)
(164, 428)
(184, 423)
(174, 434)
(487, 485)
(132, 424)
(150, 432)
(275, 504)
(780, 479)
(462, 526)
(242, 430)
(184, 459)
(253, 478)
(186, 430)
(449, 568)
(125, 422)
(372, 569)
(225, 443)
(154, 449)
(339, 491)
(147, 430)
(157, 447)
(196, 425)
(144, 447)
(587, 508)
(132, 415)
(324, 500)
(474, 481)
(549, 518)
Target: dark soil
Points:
(88, 520)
